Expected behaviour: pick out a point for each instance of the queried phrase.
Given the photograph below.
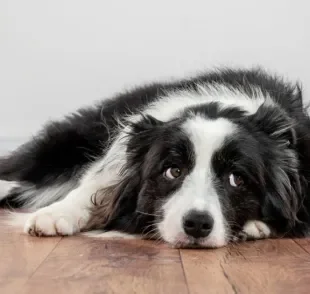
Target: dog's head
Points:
(197, 179)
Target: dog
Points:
(220, 157)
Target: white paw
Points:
(256, 230)
(56, 220)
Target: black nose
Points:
(198, 224)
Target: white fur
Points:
(67, 216)
(6, 187)
(70, 214)
(228, 97)
(256, 229)
(168, 106)
(33, 198)
(197, 191)
(37, 198)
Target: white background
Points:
(56, 56)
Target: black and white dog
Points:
(200, 162)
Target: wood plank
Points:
(303, 243)
(205, 272)
(83, 265)
(267, 276)
(20, 256)
(275, 249)
(269, 266)
(272, 266)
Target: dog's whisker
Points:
(149, 214)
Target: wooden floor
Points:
(83, 265)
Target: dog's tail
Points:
(29, 196)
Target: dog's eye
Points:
(235, 180)
(172, 173)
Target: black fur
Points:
(272, 151)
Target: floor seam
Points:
(184, 274)
(44, 259)
(305, 250)
(233, 287)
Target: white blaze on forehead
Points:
(207, 135)
(197, 191)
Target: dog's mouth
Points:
(188, 242)
(189, 245)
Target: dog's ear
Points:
(144, 133)
(146, 122)
(283, 197)
(113, 201)
(284, 192)
(123, 205)
(121, 200)
(275, 123)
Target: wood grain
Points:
(84, 265)
(20, 256)
(273, 266)
(205, 271)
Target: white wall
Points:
(58, 55)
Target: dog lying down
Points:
(201, 162)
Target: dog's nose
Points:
(198, 224)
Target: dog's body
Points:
(203, 161)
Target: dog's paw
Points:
(254, 230)
(55, 220)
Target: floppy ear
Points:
(275, 123)
(147, 122)
(119, 202)
(283, 195)
(134, 212)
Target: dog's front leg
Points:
(64, 217)
(72, 214)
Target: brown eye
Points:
(172, 173)
(235, 180)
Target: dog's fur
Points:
(228, 150)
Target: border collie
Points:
(201, 162)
